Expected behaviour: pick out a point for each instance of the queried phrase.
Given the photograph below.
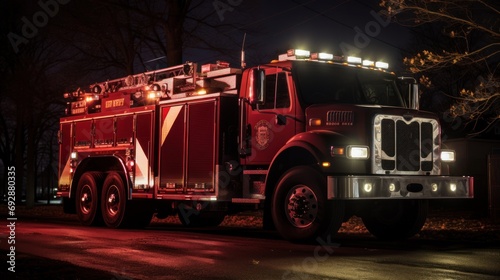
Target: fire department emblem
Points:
(262, 134)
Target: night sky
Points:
(349, 27)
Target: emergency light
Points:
(354, 59)
(322, 56)
(368, 63)
(294, 54)
(382, 65)
(299, 53)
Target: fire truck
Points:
(310, 140)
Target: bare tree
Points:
(169, 27)
(28, 60)
(471, 55)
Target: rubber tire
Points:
(396, 220)
(326, 221)
(190, 217)
(117, 210)
(114, 200)
(89, 213)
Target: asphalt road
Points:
(66, 250)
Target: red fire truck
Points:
(310, 139)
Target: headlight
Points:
(448, 155)
(358, 152)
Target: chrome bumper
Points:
(394, 187)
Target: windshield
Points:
(322, 83)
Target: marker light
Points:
(434, 187)
(201, 91)
(357, 152)
(325, 164)
(154, 94)
(382, 65)
(336, 151)
(453, 187)
(315, 122)
(367, 187)
(354, 59)
(448, 155)
(74, 155)
(90, 98)
(130, 164)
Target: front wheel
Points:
(300, 210)
(394, 220)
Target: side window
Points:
(276, 92)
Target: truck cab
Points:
(339, 135)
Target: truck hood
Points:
(354, 120)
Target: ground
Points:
(441, 225)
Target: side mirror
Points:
(413, 93)
(257, 89)
(414, 97)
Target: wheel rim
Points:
(86, 199)
(301, 206)
(113, 200)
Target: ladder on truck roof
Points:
(187, 70)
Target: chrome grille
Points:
(404, 146)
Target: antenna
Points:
(243, 63)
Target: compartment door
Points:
(201, 153)
(172, 144)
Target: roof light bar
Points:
(293, 54)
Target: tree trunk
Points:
(177, 10)
(19, 150)
(31, 165)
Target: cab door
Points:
(269, 124)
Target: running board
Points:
(246, 200)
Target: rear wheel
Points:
(300, 210)
(394, 220)
(117, 210)
(114, 200)
(87, 199)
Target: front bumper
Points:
(397, 187)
